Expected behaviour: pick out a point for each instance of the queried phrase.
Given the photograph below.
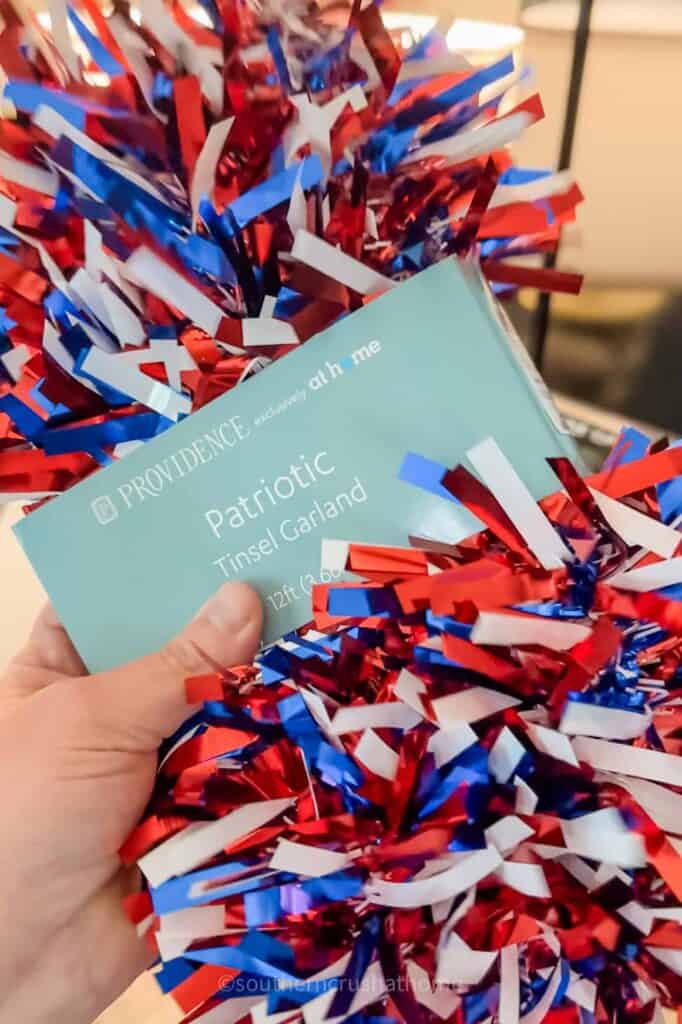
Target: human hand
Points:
(78, 766)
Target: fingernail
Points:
(234, 607)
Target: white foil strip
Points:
(334, 555)
(606, 873)
(53, 124)
(315, 122)
(510, 988)
(583, 992)
(668, 914)
(532, 191)
(507, 833)
(259, 1014)
(441, 1000)
(297, 214)
(24, 497)
(143, 926)
(625, 760)
(178, 743)
(460, 912)
(554, 943)
(52, 344)
(446, 744)
(197, 921)
(377, 756)
(86, 294)
(471, 705)
(178, 930)
(94, 253)
(438, 864)
(576, 867)
(649, 577)
(409, 689)
(369, 990)
(134, 49)
(318, 710)
(391, 715)
(552, 743)
(61, 37)
(548, 852)
(661, 804)
(444, 64)
(122, 372)
(203, 179)
(322, 256)
(528, 879)
(526, 798)
(371, 225)
(500, 477)
(309, 861)
(440, 911)
(459, 964)
(473, 143)
(15, 360)
(360, 55)
(603, 836)
(413, 895)
(507, 630)
(98, 338)
(266, 331)
(542, 1007)
(644, 991)
(638, 530)
(8, 212)
(230, 1011)
(22, 173)
(39, 37)
(672, 958)
(127, 448)
(192, 847)
(641, 918)
(146, 269)
(111, 269)
(505, 755)
(608, 723)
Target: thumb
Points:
(145, 701)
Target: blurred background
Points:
(616, 348)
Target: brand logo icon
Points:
(104, 510)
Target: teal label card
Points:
(311, 448)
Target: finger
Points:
(48, 655)
(123, 953)
(144, 701)
(104, 954)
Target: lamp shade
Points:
(628, 145)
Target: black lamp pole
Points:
(580, 43)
